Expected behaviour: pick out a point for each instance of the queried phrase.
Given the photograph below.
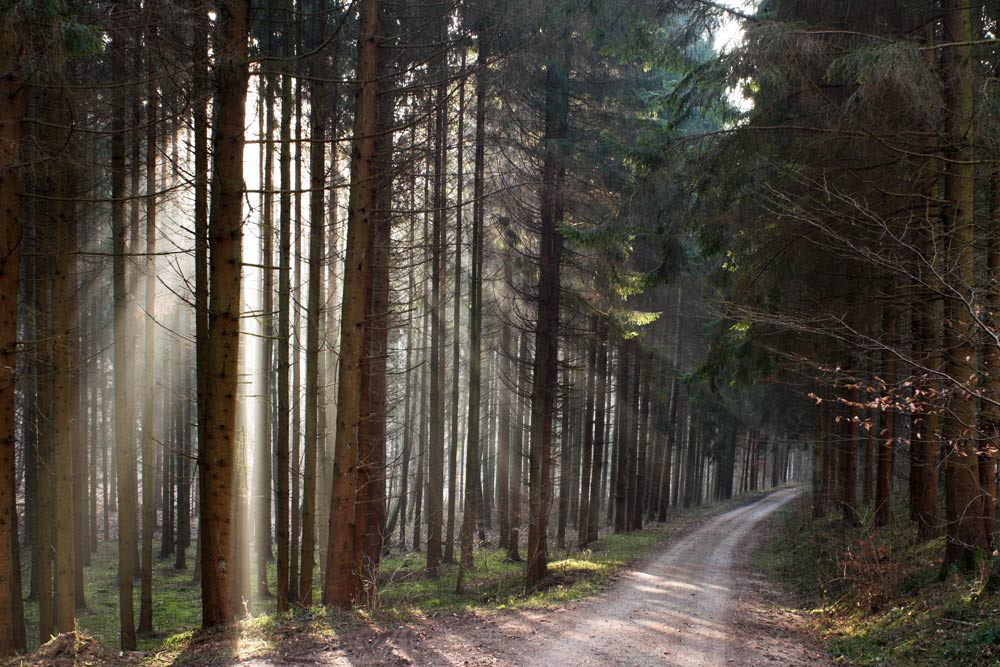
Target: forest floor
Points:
(695, 600)
(876, 595)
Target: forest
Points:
(311, 308)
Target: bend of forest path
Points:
(696, 604)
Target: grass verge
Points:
(875, 594)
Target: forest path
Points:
(679, 609)
(696, 604)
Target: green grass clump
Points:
(876, 595)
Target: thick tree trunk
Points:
(217, 455)
(371, 512)
(341, 575)
(963, 506)
(63, 235)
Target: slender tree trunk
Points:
(317, 222)
(12, 110)
(545, 381)
(886, 441)
(587, 477)
(634, 431)
(564, 462)
(642, 495)
(43, 539)
(149, 356)
(449, 549)
(621, 441)
(470, 510)
(597, 461)
(435, 453)
(124, 453)
(671, 425)
(848, 462)
(408, 400)
(263, 458)
(283, 335)
(517, 455)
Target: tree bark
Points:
(217, 456)
(12, 110)
(341, 575)
(963, 507)
(545, 381)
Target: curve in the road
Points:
(672, 611)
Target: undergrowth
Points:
(875, 593)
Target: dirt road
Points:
(697, 604)
(676, 610)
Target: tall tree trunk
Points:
(217, 455)
(263, 458)
(597, 460)
(966, 534)
(149, 356)
(622, 402)
(127, 492)
(564, 461)
(341, 575)
(12, 110)
(283, 414)
(472, 449)
(449, 548)
(632, 460)
(317, 222)
(886, 438)
(545, 381)
(671, 425)
(642, 495)
(63, 234)
(371, 513)
(588, 462)
(435, 452)
(517, 455)
(848, 461)
(43, 538)
(408, 401)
